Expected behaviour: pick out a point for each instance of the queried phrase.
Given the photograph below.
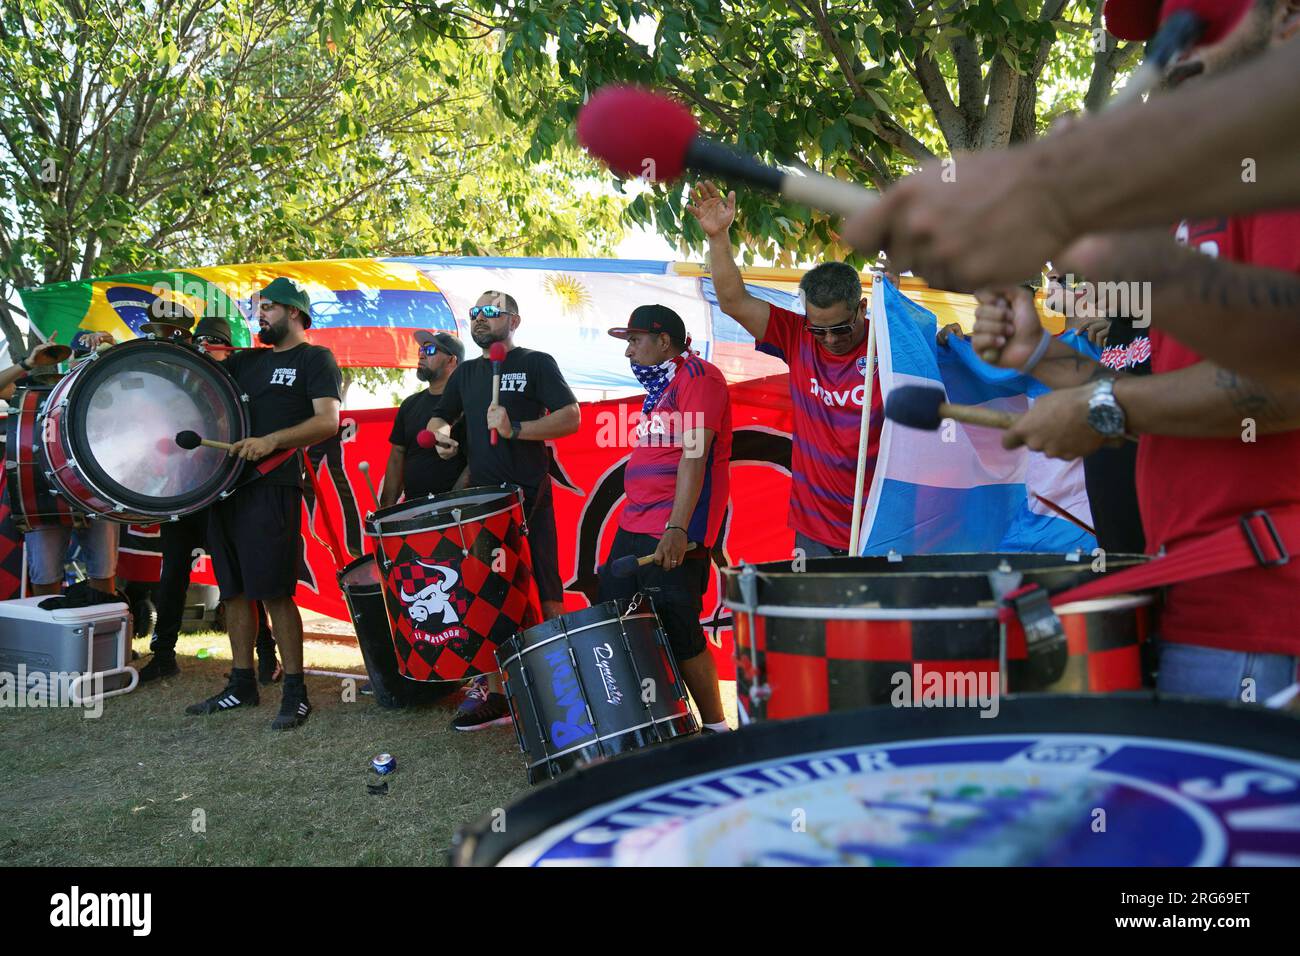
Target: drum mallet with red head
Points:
(496, 355)
(190, 440)
(364, 468)
(638, 132)
(925, 408)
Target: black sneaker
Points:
(493, 711)
(235, 695)
(294, 711)
(160, 665)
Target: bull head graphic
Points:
(434, 599)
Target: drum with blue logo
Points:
(1054, 780)
(593, 684)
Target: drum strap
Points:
(1258, 539)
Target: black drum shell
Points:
(364, 594)
(598, 707)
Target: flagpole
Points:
(864, 427)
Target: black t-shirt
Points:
(531, 384)
(1110, 474)
(424, 472)
(281, 387)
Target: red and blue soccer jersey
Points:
(697, 397)
(826, 392)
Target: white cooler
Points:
(92, 641)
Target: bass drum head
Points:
(1181, 782)
(124, 412)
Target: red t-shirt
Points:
(697, 397)
(826, 392)
(1192, 486)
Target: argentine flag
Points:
(957, 489)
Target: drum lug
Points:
(760, 693)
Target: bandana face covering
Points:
(654, 379)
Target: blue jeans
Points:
(1221, 675)
(47, 550)
(815, 549)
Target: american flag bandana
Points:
(655, 378)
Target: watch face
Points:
(1107, 419)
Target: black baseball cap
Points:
(444, 340)
(214, 327)
(653, 319)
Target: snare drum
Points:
(108, 436)
(364, 592)
(593, 684)
(458, 579)
(31, 500)
(838, 633)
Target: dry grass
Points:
(126, 789)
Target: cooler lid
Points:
(28, 609)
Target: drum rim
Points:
(518, 655)
(734, 572)
(128, 505)
(956, 612)
(375, 520)
(1246, 728)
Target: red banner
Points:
(587, 470)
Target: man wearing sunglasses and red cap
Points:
(826, 351)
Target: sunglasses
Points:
(430, 350)
(821, 331)
(208, 340)
(488, 312)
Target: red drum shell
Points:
(458, 580)
(33, 503)
(109, 429)
(833, 635)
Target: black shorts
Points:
(255, 540)
(539, 513)
(678, 595)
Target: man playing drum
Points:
(413, 469)
(294, 394)
(535, 406)
(677, 483)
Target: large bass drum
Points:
(840, 633)
(109, 432)
(32, 503)
(1181, 783)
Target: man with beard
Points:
(294, 392)
(412, 468)
(536, 406)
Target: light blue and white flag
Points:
(957, 489)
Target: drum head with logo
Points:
(1048, 780)
(437, 512)
(124, 412)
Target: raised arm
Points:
(715, 215)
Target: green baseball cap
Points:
(285, 291)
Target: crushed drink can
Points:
(384, 764)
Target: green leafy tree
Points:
(140, 136)
(854, 89)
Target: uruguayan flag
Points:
(957, 489)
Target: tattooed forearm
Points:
(1251, 399)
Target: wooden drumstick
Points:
(626, 566)
(919, 407)
(364, 468)
(189, 440)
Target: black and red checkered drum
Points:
(593, 684)
(836, 633)
(32, 502)
(458, 579)
(108, 432)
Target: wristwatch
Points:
(25, 365)
(1104, 413)
(515, 429)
